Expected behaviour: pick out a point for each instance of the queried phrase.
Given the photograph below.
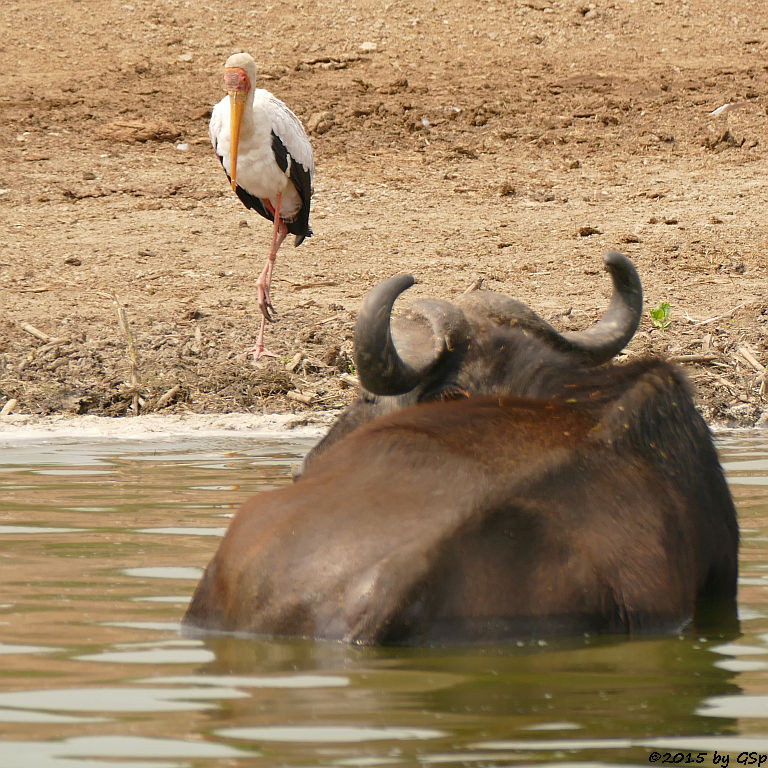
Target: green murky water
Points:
(102, 541)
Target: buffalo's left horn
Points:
(395, 356)
(612, 332)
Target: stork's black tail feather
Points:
(302, 237)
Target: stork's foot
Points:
(260, 351)
(257, 352)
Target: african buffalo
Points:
(495, 480)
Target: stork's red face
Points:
(236, 80)
(237, 85)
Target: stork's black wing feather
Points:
(301, 179)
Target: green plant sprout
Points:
(660, 316)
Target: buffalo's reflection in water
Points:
(596, 686)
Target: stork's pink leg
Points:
(264, 281)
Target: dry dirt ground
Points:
(510, 140)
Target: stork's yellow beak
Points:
(237, 107)
(237, 86)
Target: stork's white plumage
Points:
(268, 159)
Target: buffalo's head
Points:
(483, 343)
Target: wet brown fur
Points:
(588, 500)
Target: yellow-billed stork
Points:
(268, 159)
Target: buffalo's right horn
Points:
(612, 332)
(393, 356)
(597, 344)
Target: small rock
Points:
(397, 86)
(588, 231)
(183, 147)
(293, 364)
(321, 122)
(81, 193)
(73, 260)
(138, 130)
(185, 57)
(368, 47)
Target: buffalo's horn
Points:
(609, 335)
(393, 356)
(596, 344)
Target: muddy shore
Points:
(514, 146)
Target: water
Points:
(101, 544)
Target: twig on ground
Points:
(730, 313)
(51, 344)
(748, 356)
(133, 358)
(299, 397)
(167, 397)
(475, 286)
(30, 329)
(694, 358)
(304, 286)
(722, 382)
